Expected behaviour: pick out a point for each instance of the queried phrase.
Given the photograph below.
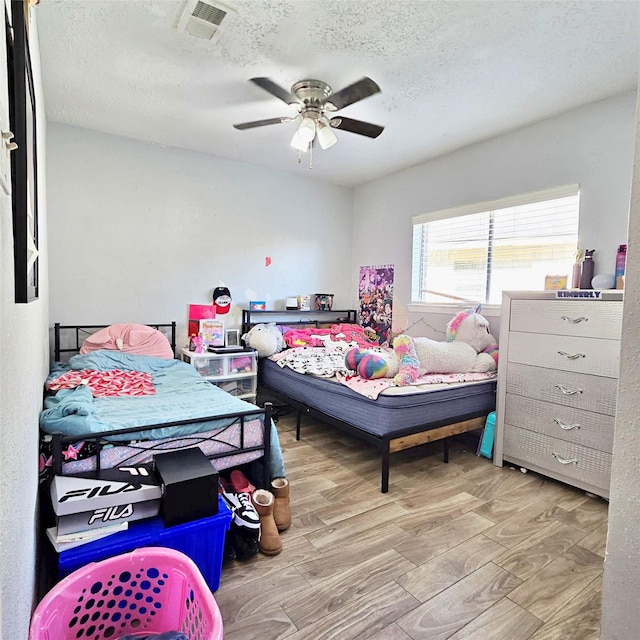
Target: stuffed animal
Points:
(469, 347)
(266, 339)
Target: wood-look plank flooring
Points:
(459, 551)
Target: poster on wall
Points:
(375, 295)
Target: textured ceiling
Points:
(452, 73)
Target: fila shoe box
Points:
(202, 540)
(95, 499)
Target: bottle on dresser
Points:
(621, 261)
(587, 269)
(577, 270)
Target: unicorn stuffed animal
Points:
(469, 347)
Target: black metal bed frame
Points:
(58, 440)
(382, 443)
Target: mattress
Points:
(396, 412)
(180, 394)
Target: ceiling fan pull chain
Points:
(311, 156)
(299, 157)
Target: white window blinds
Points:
(475, 252)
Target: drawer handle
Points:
(565, 426)
(568, 391)
(562, 460)
(570, 356)
(575, 320)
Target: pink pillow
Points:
(137, 339)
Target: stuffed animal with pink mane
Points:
(469, 348)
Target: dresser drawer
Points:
(591, 393)
(582, 355)
(586, 428)
(578, 318)
(569, 462)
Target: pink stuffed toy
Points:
(198, 341)
(469, 347)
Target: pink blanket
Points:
(137, 339)
(351, 334)
(106, 383)
(373, 388)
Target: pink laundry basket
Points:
(149, 590)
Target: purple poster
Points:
(375, 293)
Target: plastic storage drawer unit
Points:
(201, 540)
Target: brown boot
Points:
(281, 510)
(270, 543)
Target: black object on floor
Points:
(189, 486)
(244, 542)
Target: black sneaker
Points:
(244, 541)
(244, 513)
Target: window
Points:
(475, 252)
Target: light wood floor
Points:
(464, 550)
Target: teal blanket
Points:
(181, 394)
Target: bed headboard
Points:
(67, 339)
(313, 318)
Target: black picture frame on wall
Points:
(24, 159)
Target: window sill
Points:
(451, 308)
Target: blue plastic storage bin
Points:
(201, 540)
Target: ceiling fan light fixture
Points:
(326, 137)
(298, 143)
(316, 103)
(307, 129)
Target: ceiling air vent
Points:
(204, 18)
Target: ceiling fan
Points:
(316, 103)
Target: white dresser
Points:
(557, 385)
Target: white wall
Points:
(621, 584)
(23, 368)
(139, 231)
(591, 146)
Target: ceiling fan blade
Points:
(356, 126)
(275, 90)
(353, 93)
(261, 123)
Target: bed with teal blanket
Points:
(178, 409)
